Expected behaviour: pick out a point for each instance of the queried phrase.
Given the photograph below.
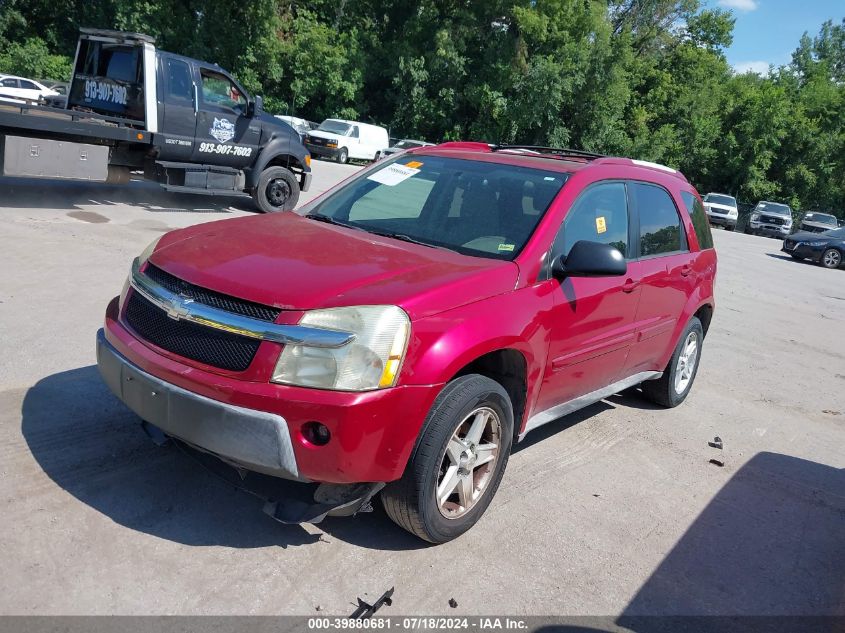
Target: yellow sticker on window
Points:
(506, 247)
(601, 224)
(414, 164)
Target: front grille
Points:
(719, 211)
(197, 342)
(315, 140)
(770, 219)
(211, 298)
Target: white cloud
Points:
(739, 5)
(761, 68)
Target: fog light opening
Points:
(316, 433)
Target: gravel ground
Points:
(615, 510)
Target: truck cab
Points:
(187, 124)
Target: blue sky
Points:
(767, 31)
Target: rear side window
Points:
(699, 220)
(9, 83)
(28, 85)
(600, 214)
(660, 224)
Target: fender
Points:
(279, 144)
(443, 344)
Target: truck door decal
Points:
(223, 130)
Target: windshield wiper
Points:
(407, 238)
(329, 220)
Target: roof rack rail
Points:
(556, 151)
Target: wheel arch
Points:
(281, 153)
(508, 367)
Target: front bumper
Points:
(323, 151)
(305, 181)
(255, 440)
(770, 229)
(372, 433)
(804, 251)
(722, 220)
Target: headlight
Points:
(370, 361)
(733, 213)
(755, 216)
(145, 254)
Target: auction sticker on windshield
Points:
(393, 175)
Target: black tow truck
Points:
(186, 124)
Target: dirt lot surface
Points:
(615, 510)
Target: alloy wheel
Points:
(468, 463)
(832, 258)
(686, 363)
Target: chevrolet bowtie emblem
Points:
(178, 308)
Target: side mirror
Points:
(590, 259)
(257, 106)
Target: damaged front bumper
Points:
(246, 439)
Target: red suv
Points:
(405, 328)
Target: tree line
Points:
(640, 78)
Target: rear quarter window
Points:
(699, 220)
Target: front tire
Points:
(458, 462)
(831, 258)
(672, 388)
(276, 190)
(343, 156)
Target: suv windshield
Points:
(821, 218)
(335, 127)
(476, 208)
(717, 198)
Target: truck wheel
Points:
(277, 190)
(672, 388)
(458, 461)
(831, 258)
(343, 156)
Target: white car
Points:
(300, 126)
(401, 146)
(341, 140)
(22, 90)
(721, 209)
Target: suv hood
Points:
(293, 263)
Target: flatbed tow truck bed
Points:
(94, 128)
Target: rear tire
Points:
(672, 388)
(447, 486)
(276, 190)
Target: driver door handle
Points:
(630, 285)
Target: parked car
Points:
(770, 218)
(300, 126)
(342, 140)
(818, 222)
(826, 249)
(401, 146)
(721, 209)
(22, 90)
(414, 322)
